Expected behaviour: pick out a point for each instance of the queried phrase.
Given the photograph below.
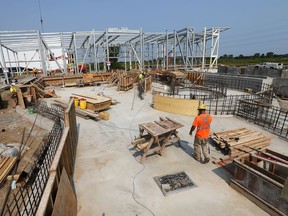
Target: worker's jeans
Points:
(200, 143)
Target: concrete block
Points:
(280, 86)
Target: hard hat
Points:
(13, 84)
(202, 107)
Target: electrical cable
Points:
(143, 166)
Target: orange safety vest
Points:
(202, 122)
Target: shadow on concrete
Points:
(184, 145)
(225, 171)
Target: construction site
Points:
(100, 126)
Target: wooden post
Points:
(20, 98)
(33, 93)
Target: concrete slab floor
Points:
(110, 181)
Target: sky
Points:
(256, 26)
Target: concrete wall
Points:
(229, 70)
(280, 86)
(284, 74)
(237, 82)
(251, 70)
(274, 73)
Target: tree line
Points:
(256, 55)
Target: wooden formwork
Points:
(59, 195)
(263, 178)
(74, 79)
(197, 78)
(125, 82)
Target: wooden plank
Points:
(58, 154)
(229, 131)
(142, 146)
(46, 198)
(284, 157)
(93, 98)
(137, 141)
(240, 149)
(6, 167)
(246, 139)
(274, 157)
(270, 161)
(251, 142)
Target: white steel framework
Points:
(177, 50)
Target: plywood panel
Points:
(65, 203)
(176, 105)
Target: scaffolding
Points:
(183, 49)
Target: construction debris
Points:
(155, 136)
(239, 142)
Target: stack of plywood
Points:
(240, 142)
(6, 166)
(96, 102)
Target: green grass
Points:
(238, 62)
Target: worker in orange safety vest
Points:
(202, 123)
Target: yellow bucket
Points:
(83, 103)
(76, 101)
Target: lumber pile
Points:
(95, 102)
(6, 165)
(83, 113)
(239, 142)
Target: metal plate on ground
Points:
(174, 183)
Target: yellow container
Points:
(76, 101)
(83, 103)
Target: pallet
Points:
(239, 142)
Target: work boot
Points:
(206, 160)
(197, 159)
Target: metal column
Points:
(107, 51)
(174, 53)
(75, 54)
(63, 54)
(2, 56)
(166, 50)
(42, 56)
(141, 50)
(204, 49)
(95, 54)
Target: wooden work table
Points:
(155, 136)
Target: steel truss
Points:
(178, 50)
